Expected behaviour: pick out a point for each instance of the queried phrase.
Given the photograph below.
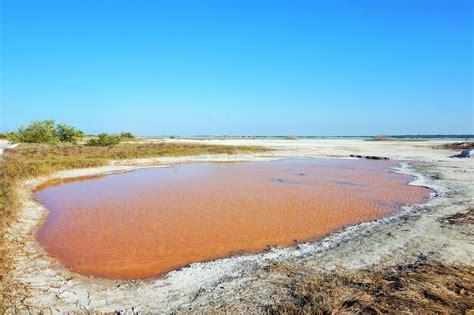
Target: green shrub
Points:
(127, 135)
(68, 133)
(36, 132)
(45, 131)
(104, 139)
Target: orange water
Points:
(143, 223)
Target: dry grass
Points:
(28, 161)
(460, 218)
(458, 146)
(420, 288)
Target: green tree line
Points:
(48, 132)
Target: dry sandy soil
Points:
(239, 282)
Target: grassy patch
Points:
(419, 288)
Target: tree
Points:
(68, 133)
(46, 131)
(36, 132)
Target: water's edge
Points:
(301, 250)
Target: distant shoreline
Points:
(393, 137)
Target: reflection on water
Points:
(146, 222)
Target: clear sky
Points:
(243, 67)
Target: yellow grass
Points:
(420, 288)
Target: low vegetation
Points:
(127, 135)
(458, 146)
(104, 139)
(466, 217)
(420, 288)
(46, 131)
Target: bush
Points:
(127, 135)
(45, 131)
(104, 139)
(68, 133)
(36, 132)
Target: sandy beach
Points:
(240, 282)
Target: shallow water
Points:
(149, 221)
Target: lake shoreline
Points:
(52, 286)
(220, 208)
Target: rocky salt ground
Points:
(241, 282)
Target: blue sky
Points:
(239, 67)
